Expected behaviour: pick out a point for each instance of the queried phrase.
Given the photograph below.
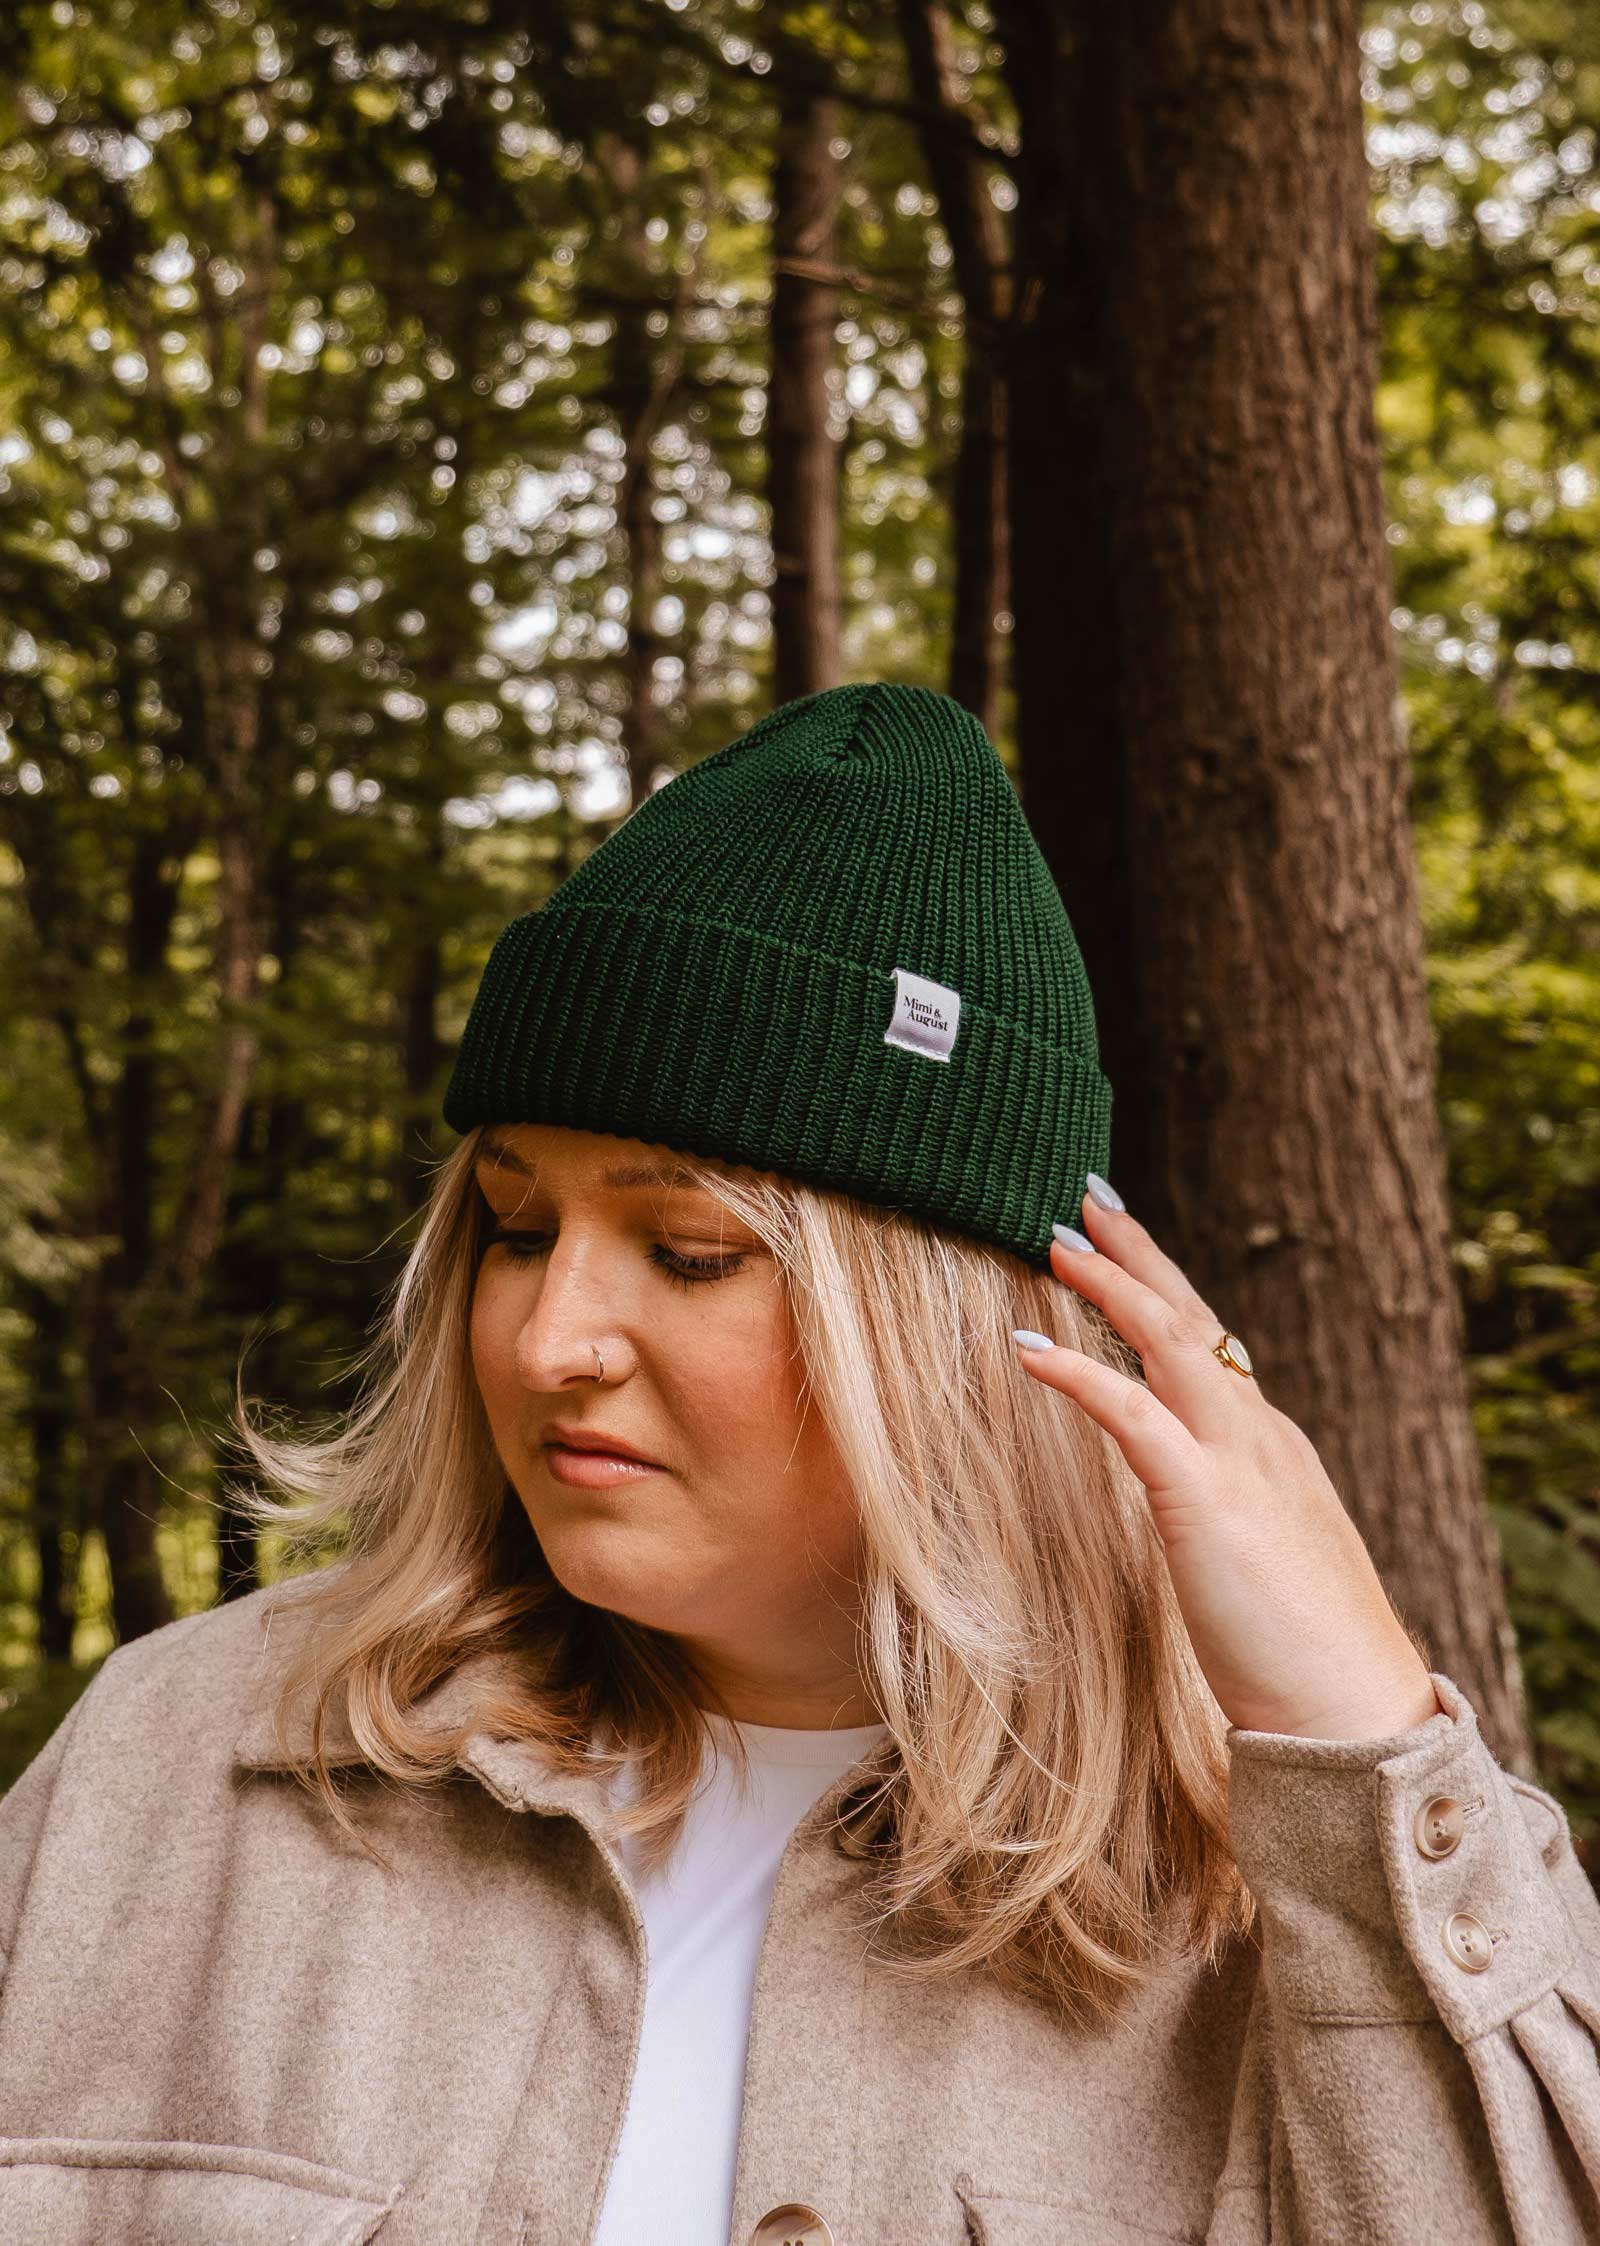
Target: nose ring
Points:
(601, 1374)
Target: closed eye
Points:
(688, 1271)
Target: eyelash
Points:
(687, 1271)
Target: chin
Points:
(607, 1563)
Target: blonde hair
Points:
(1054, 1805)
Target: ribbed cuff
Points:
(580, 1021)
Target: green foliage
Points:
(1484, 130)
(312, 438)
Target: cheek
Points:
(492, 1335)
(776, 1456)
(740, 1371)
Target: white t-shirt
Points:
(672, 2179)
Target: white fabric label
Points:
(926, 1016)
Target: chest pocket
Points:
(88, 2191)
(993, 2219)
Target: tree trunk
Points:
(978, 245)
(248, 1281)
(124, 1491)
(417, 1007)
(118, 1125)
(48, 1388)
(1062, 506)
(156, 1283)
(634, 397)
(802, 465)
(1288, 1144)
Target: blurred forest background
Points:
(423, 429)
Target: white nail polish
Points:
(1026, 1338)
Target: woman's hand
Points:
(1283, 1605)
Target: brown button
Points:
(791, 2225)
(1439, 1826)
(1467, 1940)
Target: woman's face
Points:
(742, 1540)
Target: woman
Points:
(922, 1787)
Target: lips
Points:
(596, 1469)
(596, 1445)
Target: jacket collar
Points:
(514, 1771)
(257, 1746)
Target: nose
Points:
(571, 1333)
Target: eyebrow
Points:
(621, 1174)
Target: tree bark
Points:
(1239, 702)
(124, 1489)
(960, 175)
(50, 1399)
(156, 1282)
(1062, 504)
(802, 462)
(636, 399)
(118, 1125)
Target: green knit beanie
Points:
(831, 950)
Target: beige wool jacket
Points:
(222, 2025)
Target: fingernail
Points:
(1070, 1237)
(1107, 1195)
(1028, 1339)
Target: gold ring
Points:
(1233, 1353)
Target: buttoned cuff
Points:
(1402, 1877)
